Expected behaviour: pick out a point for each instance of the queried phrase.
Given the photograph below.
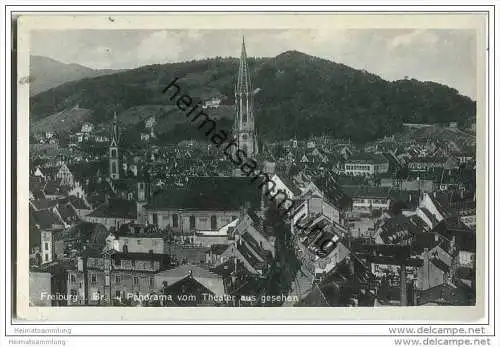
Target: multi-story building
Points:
(100, 276)
(366, 164)
(203, 204)
(366, 199)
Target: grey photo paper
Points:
(255, 163)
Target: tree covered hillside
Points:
(299, 95)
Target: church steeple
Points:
(114, 133)
(114, 161)
(244, 124)
(244, 83)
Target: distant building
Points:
(366, 199)
(366, 164)
(114, 162)
(213, 102)
(113, 213)
(87, 128)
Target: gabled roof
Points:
(366, 157)
(78, 203)
(217, 249)
(465, 239)
(67, 212)
(333, 191)
(46, 219)
(116, 208)
(94, 233)
(255, 261)
(228, 267)
(358, 191)
(398, 229)
(209, 194)
(43, 204)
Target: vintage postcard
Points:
(251, 166)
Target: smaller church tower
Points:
(143, 194)
(114, 161)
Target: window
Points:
(175, 220)
(46, 246)
(136, 280)
(118, 294)
(118, 261)
(113, 168)
(192, 222)
(118, 279)
(113, 153)
(244, 117)
(46, 257)
(155, 218)
(151, 282)
(141, 185)
(72, 278)
(213, 222)
(93, 278)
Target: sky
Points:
(439, 55)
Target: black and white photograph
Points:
(245, 172)
(252, 168)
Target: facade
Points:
(127, 239)
(113, 213)
(366, 199)
(52, 245)
(202, 205)
(65, 176)
(119, 276)
(205, 221)
(366, 165)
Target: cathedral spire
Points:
(244, 123)
(244, 85)
(114, 132)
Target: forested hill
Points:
(299, 95)
(47, 73)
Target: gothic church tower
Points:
(114, 162)
(244, 124)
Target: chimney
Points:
(425, 268)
